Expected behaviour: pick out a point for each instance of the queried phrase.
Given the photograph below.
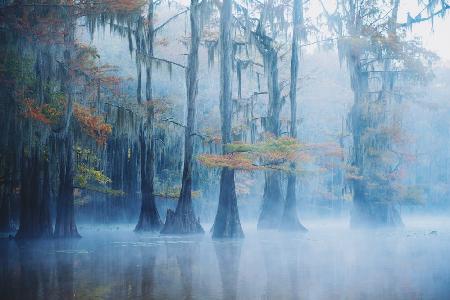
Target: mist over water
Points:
(228, 149)
(331, 261)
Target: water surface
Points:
(329, 262)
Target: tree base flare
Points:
(182, 223)
(21, 234)
(148, 224)
(290, 222)
(269, 219)
(272, 205)
(228, 228)
(227, 224)
(70, 233)
(149, 219)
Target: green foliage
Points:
(274, 153)
(170, 191)
(91, 179)
(86, 156)
(103, 190)
(283, 145)
(87, 174)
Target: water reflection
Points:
(64, 271)
(228, 255)
(185, 260)
(328, 264)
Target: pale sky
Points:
(436, 39)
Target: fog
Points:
(330, 261)
(224, 149)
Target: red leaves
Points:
(94, 126)
(37, 115)
(45, 113)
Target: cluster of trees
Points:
(72, 129)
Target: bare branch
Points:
(169, 20)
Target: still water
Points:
(329, 262)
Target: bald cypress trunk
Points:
(373, 203)
(35, 219)
(183, 220)
(7, 194)
(65, 226)
(289, 220)
(149, 219)
(272, 203)
(5, 211)
(227, 223)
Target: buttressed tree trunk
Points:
(65, 226)
(227, 223)
(289, 220)
(183, 220)
(149, 219)
(372, 197)
(272, 205)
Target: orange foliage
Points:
(44, 113)
(124, 5)
(87, 64)
(34, 112)
(94, 126)
(238, 161)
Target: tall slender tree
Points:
(289, 220)
(149, 219)
(272, 203)
(65, 225)
(227, 223)
(183, 220)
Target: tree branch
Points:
(418, 19)
(169, 20)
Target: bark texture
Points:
(149, 219)
(65, 226)
(227, 223)
(35, 221)
(183, 220)
(272, 204)
(289, 220)
(373, 195)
